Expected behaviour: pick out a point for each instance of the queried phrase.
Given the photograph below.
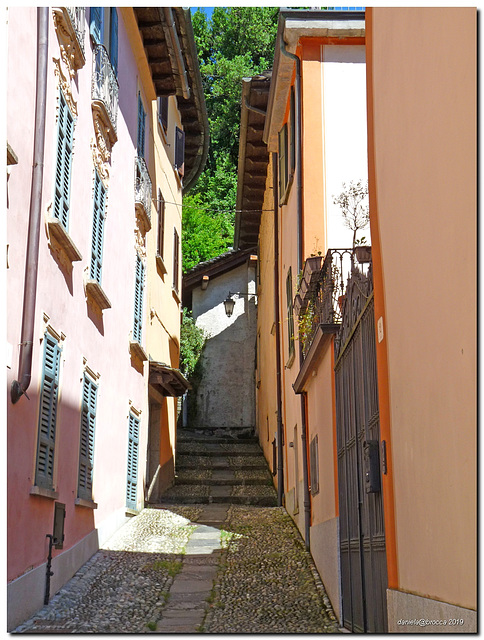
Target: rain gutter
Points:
(20, 386)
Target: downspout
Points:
(298, 119)
(20, 386)
(175, 46)
(280, 434)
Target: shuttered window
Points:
(133, 452)
(65, 137)
(290, 318)
(86, 449)
(141, 128)
(98, 218)
(180, 151)
(292, 140)
(176, 259)
(314, 462)
(138, 300)
(283, 163)
(44, 470)
(163, 111)
(161, 224)
(103, 27)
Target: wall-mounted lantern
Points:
(229, 302)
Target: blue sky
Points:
(207, 10)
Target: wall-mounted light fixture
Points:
(229, 302)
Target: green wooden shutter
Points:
(113, 40)
(86, 449)
(282, 163)
(292, 117)
(65, 137)
(161, 223)
(44, 471)
(96, 24)
(138, 300)
(176, 259)
(132, 475)
(97, 229)
(290, 318)
(141, 128)
(180, 151)
(163, 111)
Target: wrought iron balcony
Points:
(77, 17)
(320, 296)
(142, 190)
(104, 88)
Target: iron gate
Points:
(362, 534)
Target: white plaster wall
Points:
(344, 132)
(226, 395)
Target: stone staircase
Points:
(219, 466)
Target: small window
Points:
(287, 152)
(133, 453)
(163, 112)
(65, 140)
(138, 300)
(176, 260)
(98, 218)
(44, 468)
(103, 28)
(86, 447)
(283, 172)
(314, 462)
(290, 317)
(161, 224)
(141, 128)
(180, 151)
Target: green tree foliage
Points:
(236, 42)
(192, 341)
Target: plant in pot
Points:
(353, 202)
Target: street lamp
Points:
(229, 302)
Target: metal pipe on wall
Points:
(20, 386)
(280, 432)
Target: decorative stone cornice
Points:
(65, 87)
(70, 48)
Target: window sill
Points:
(178, 177)
(82, 502)
(44, 493)
(284, 196)
(131, 512)
(95, 293)
(137, 352)
(160, 264)
(290, 360)
(62, 239)
(175, 295)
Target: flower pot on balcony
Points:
(297, 304)
(312, 267)
(363, 254)
(303, 289)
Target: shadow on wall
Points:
(225, 393)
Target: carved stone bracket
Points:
(100, 162)
(65, 86)
(70, 49)
(105, 134)
(140, 240)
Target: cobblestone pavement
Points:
(214, 569)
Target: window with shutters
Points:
(290, 317)
(138, 300)
(141, 128)
(161, 224)
(314, 462)
(180, 151)
(176, 260)
(103, 28)
(99, 207)
(44, 468)
(287, 152)
(65, 138)
(86, 448)
(163, 112)
(133, 452)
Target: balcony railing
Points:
(320, 296)
(77, 16)
(142, 187)
(104, 84)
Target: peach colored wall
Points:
(103, 341)
(424, 101)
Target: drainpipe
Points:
(20, 386)
(175, 46)
(280, 433)
(298, 119)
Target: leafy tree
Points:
(192, 341)
(236, 42)
(353, 201)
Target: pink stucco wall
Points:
(104, 343)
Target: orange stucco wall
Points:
(422, 138)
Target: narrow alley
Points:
(212, 558)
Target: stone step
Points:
(220, 462)
(218, 449)
(216, 435)
(227, 477)
(205, 494)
